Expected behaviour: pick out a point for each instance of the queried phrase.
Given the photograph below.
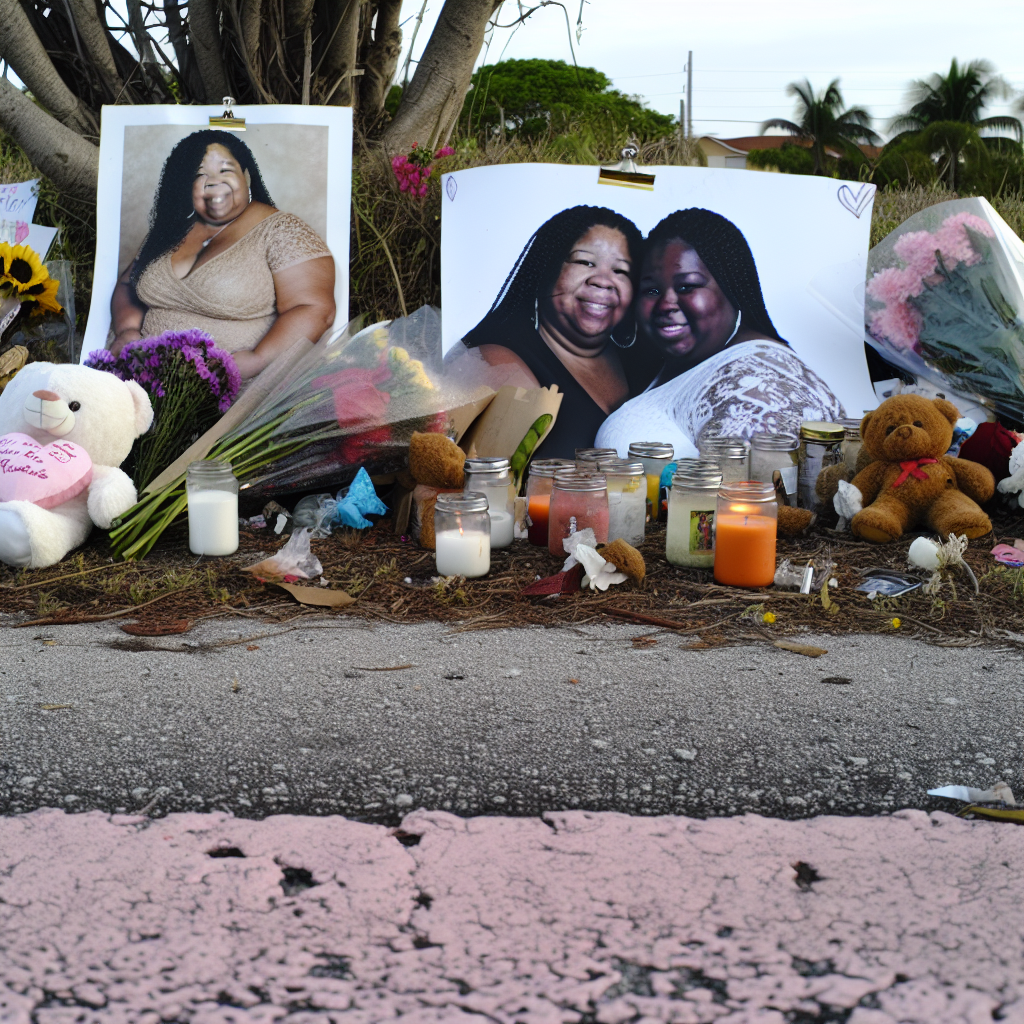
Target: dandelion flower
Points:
(769, 617)
(895, 623)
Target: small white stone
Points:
(403, 800)
(685, 755)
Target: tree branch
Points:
(61, 154)
(205, 35)
(381, 59)
(340, 56)
(94, 35)
(431, 103)
(21, 48)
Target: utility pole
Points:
(682, 121)
(689, 94)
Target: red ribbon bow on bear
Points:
(913, 468)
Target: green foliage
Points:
(789, 158)
(823, 120)
(961, 95)
(391, 101)
(531, 97)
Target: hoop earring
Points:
(735, 330)
(618, 344)
(536, 317)
(191, 215)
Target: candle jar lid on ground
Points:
(538, 496)
(690, 532)
(490, 476)
(462, 535)
(212, 491)
(746, 516)
(578, 500)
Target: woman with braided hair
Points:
(220, 257)
(564, 318)
(725, 370)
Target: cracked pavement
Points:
(320, 719)
(580, 917)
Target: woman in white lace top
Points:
(726, 369)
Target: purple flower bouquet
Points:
(191, 384)
(944, 301)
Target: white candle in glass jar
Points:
(502, 528)
(463, 553)
(212, 522)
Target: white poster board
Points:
(303, 153)
(809, 237)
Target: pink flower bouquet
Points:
(944, 300)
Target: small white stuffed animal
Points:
(64, 432)
(1014, 483)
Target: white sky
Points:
(745, 52)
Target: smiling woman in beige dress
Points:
(220, 257)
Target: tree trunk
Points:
(381, 60)
(431, 104)
(21, 48)
(57, 151)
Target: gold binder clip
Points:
(227, 119)
(626, 174)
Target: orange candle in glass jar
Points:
(745, 527)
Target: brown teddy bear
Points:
(912, 482)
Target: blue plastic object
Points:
(357, 501)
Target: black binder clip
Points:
(626, 174)
(227, 119)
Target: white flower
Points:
(600, 573)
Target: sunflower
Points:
(42, 298)
(21, 265)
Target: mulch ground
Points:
(394, 579)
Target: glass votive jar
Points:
(732, 455)
(655, 455)
(578, 500)
(746, 517)
(587, 458)
(776, 453)
(690, 531)
(212, 492)
(462, 535)
(821, 445)
(538, 496)
(490, 477)
(852, 441)
(627, 499)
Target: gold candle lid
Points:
(816, 430)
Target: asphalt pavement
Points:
(337, 716)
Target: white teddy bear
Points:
(64, 432)
(1014, 483)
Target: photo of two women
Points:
(666, 335)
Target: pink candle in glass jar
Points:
(578, 500)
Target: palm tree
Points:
(822, 121)
(961, 95)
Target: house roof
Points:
(748, 143)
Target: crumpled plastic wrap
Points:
(295, 561)
(944, 301)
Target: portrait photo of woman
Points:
(221, 257)
(564, 317)
(724, 368)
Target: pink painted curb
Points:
(588, 917)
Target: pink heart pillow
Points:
(45, 476)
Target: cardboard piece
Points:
(502, 425)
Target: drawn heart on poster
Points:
(45, 476)
(855, 201)
(451, 188)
